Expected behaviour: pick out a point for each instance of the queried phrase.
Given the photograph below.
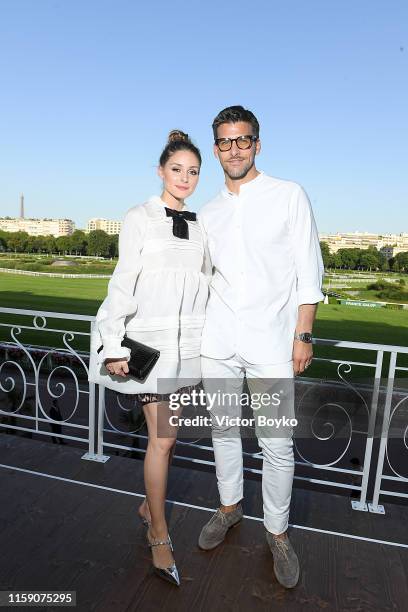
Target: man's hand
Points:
(117, 367)
(302, 356)
(303, 351)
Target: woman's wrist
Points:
(114, 351)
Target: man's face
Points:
(236, 162)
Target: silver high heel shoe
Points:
(167, 573)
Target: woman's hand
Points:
(117, 367)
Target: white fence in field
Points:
(52, 274)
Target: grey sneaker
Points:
(214, 532)
(286, 563)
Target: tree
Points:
(3, 241)
(63, 244)
(41, 243)
(393, 264)
(368, 260)
(114, 245)
(17, 241)
(50, 244)
(31, 244)
(99, 243)
(383, 261)
(402, 260)
(324, 247)
(349, 258)
(336, 260)
(79, 242)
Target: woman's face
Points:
(180, 174)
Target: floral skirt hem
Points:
(149, 398)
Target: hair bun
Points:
(177, 135)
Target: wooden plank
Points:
(61, 535)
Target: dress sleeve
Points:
(120, 301)
(306, 249)
(207, 265)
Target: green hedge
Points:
(394, 306)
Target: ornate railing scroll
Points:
(44, 389)
(356, 397)
(336, 411)
(355, 418)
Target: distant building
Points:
(391, 251)
(38, 227)
(108, 226)
(389, 244)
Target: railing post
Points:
(91, 455)
(375, 506)
(101, 417)
(91, 417)
(361, 503)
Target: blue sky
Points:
(89, 90)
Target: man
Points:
(266, 283)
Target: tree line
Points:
(96, 242)
(102, 244)
(363, 259)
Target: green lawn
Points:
(358, 324)
(74, 295)
(83, 296)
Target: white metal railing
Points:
(90, 421)
(16, 382)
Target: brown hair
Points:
(178, 141)
(233, 114)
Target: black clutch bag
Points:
(142, 358)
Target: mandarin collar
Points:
(245, 187)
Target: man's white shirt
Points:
(266, 259)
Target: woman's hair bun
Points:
(178, 141)
(177, 135)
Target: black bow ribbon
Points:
(180, 218)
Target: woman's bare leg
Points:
(156, 464)
(144, 509)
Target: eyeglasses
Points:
(243, 142)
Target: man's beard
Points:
(236, 174)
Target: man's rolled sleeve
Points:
(306, 249)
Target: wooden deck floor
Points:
(70, 524)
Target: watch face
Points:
(305, 337)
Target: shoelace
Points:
(223, 516)
(217, 514)
(283, 547)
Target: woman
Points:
(157, 294)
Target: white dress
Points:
(157, 295)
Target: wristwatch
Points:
(304, 337)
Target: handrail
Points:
(376, 460)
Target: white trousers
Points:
(278, 459)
